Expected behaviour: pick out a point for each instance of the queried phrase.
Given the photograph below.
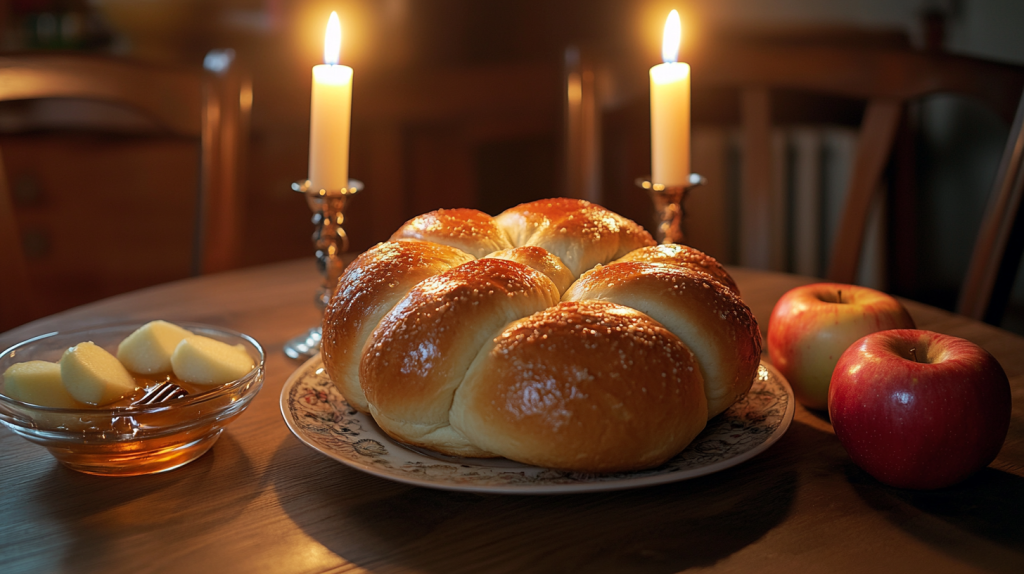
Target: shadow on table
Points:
(382, 525)
(102, 516)
(977, 522)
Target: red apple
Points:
(812, 325)
(917, 409)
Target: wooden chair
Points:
(887, 79)
(211, 108)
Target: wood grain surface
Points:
(260, 501)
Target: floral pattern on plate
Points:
(318, 415)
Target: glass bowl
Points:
(133, 439)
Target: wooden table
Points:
(260, 501)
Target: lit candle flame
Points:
(332, 40)
(670, 40)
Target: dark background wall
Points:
(459, 102)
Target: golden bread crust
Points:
(541, 260)
(419, 353)
(684, 255)
(586, 386)
(709, 318)
(470, 230)
(580, 233)
(369, 288)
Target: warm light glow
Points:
(245, 97)
(575, 87)
(670, 39)
(332, 40)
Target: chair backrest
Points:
(211, 108)
(452, 137)
(886, 79)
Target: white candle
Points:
(670, 111)
(330, 115)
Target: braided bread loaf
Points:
(556, 334)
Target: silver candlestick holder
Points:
(330, 241)
(670, 207)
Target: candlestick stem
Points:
(330, 241)
(670, 207)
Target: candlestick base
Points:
(670, 207)
(304, 346)
(330, 240)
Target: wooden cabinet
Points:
(83, 201)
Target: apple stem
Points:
(840, 296)
(913, 354)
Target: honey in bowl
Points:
(164, 452)
(147, 385)
(123, 437)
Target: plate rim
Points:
(531, 489)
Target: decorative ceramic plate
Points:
(318, 415)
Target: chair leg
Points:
(878, 132)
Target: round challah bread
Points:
(474, 337)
